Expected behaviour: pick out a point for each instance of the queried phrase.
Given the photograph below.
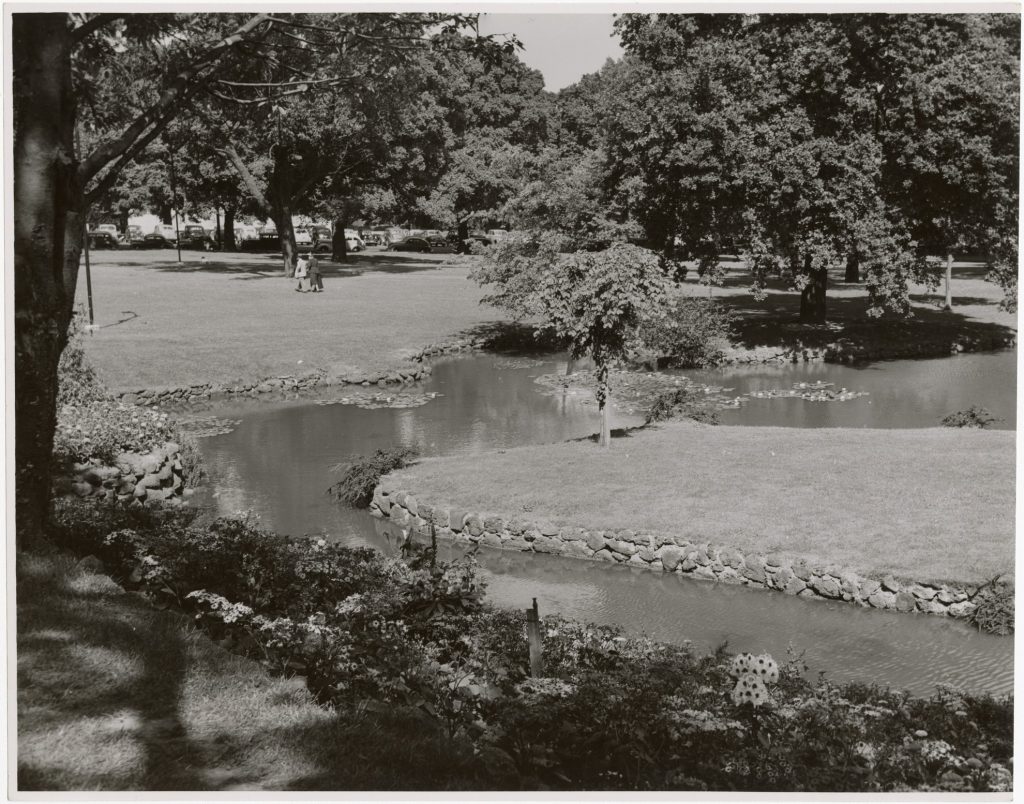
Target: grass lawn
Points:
(114, 695)
(234, 317)
(226, 317)
(933, 504)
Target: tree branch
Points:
(169, 101)
(92, 24)
(248, 179)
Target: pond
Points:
(898, 393)
(277, 462)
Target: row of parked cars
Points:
(317, 239)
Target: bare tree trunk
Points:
(949, 277)
(339, 246)
(228, 243)
(603, 397)
(852, 267)
(286, 233)
(48, 231)
(812, 297)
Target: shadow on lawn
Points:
(775, 323)
(76, 631)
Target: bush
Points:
(682, 403)
(994, 612)
(974, 416)
(193, 469)
(610, 713)
(104, 428)
(361, 476)
(691, 333)
(77, 383)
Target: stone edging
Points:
(841, 351)
(152, 478)
(665, 553)
(412, 372)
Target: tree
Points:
(596, 300)
(496, 113)
(59, 59)
(814, 140)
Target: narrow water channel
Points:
(277, 462)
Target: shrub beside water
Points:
(682, 403)
(693, 333)
(610, 712)
(360, 477)
(92, 425)
(974, 416)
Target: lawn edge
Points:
(658, 551)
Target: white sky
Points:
(562, 46)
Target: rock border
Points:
(663, 552)
(841, 351)
(136, 479)
(413, 371)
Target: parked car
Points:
(107, 227)
(193, 235)
(323, 240)
(132, 236)
(303, 239)
(102, 239)
(353, 242)
(440, 245)
(497, 234)
(375, 238)
(156, 240)
(411, 244)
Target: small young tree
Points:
(594, 299)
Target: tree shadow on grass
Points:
(775, 322)
(89, 663)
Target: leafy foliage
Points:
(361, 476)
(611, 712)
(685, 333)
(682, 402)
(974, 416)
(77, 383)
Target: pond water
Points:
(277, 462)
(899, 393)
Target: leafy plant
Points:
(687, 333)
(684, 403)
(361, 476)
(974, 416)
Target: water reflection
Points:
(901, 393)
(277, 463)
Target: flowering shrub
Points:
(104, 428)
(610, 712)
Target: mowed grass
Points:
(931, 504)
(235, 317)
(114, 695)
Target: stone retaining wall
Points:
(666, 553)
(151, 478)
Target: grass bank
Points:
(227, 317)
(931, 504)
(115, 695)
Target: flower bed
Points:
(609, 712)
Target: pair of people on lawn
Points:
(307, 271)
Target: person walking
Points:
(301, 272)
(316, 282)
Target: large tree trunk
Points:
(286, 232)
(339, 247)
(165, 211)
(949, 278)
(852, 267)
(603, 397)
(228, 237)
(812, 297)
(48, 230)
